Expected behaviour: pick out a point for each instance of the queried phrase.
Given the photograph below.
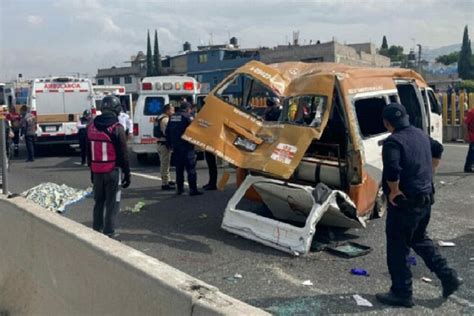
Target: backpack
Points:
(157, 128)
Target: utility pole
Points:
(419, 58)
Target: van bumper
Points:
(57, 140)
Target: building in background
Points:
(210, 64)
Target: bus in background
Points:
(58, 102)
(154, 93)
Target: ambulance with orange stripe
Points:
(57, 103)
(155, 92)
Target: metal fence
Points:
(455, 107)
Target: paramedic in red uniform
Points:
(108, 160)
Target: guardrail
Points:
(454, 108)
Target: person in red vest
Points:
(108, 160)
(469, 135)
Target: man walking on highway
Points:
(184, 154)
(108, 159)
(408, 160)
(164, 152)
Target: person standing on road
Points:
(108, 160)
(184, 154)
(15, 120)
(28, 130)
(211, 161)
(82, 124)
(126, 122)
(164, 151)
(408, 162)
(469, 136)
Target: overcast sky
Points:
(42, 37)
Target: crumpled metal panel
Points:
(289, 202)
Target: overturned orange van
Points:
(328, 137)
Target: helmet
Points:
(86, 113)
(111, 103)
(272, 101)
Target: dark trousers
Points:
(406, 228)
(212, 166)
(30, 146)
(469, 158)
(16, 140)
(106, 194)
(185, 159)
(82, 145)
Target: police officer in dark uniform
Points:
(184, 154)
(408, 160)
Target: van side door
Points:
(433, 110)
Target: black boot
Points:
(451, 285)
(391, 299)
(195, 192)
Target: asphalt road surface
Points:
(185, 233)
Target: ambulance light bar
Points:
(189, 85)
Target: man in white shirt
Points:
(126, 122)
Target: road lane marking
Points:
(142, 175)
(456, 145)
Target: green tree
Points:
(465, 66)
(156, 57)
(396, 53)
(448, 59)
(149, 60)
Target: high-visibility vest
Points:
(104, 156)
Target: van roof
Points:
(287, 78)
(167, 78)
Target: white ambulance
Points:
(57, 103)
(102, 91)
(155, 92)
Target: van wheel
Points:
(142, 158)
(380, 206)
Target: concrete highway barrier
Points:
(50, 265)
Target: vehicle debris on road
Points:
(361, 301)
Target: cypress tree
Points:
(384, 48)
(384, 43)
(156, 57)
(465, 67)
(149, 58)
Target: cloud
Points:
(34, 19)
(84, 35)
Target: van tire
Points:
(142, 158)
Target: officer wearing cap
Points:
(184, 154)
(408, 160)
